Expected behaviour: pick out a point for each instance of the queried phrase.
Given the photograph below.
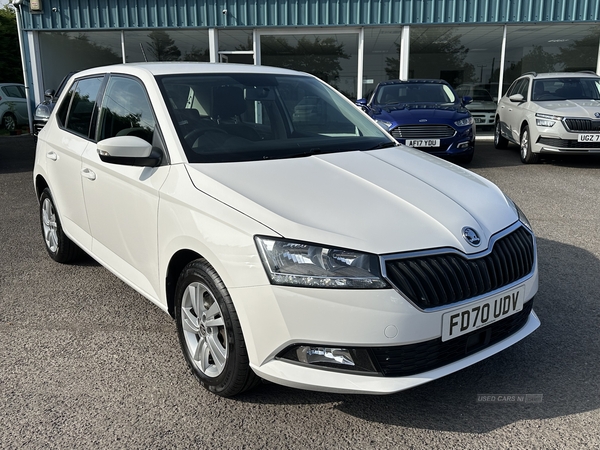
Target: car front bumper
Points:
(382, 323)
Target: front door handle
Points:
(52, 156)
(89, 174)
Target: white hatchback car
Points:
(550, 113)
(310, 250)
(13, 106)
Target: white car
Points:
(13, 106)
(483, 106)
(550, 113)
(310, 250)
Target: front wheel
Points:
(527, 156)
(210, 333)
(60, 248)
(500, 142)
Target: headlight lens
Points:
(520, 213)
(42, 111)
(300, 264)
(384, 124)
(464, 122)
(546, 120)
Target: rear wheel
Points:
(9, 122)
(60, 248)
(500, 141)
(527, 156)
(210, 333)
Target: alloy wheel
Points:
(204, 329)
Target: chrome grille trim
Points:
(443, 278)
(423, 131)
(581, 125)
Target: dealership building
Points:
(351, 44)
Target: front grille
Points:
(443, 279)
(423, 131)
(411, 359)
(569, 144)
(582, 125)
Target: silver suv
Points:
(550, 113)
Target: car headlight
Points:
(522, 218)
(546, 120)
(42, 112)
(464, 122)
(295, 263)
(384, 124)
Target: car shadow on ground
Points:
(557, 366)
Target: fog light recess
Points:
(331, 357)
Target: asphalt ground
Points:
(86, 362)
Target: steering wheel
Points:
(191, 137)
(546, 97)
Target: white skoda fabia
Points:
(290, 237)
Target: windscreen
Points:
(246, 117)
(393, 94)
(566, 88)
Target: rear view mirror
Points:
(259, 93)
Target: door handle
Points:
(52, 156)
(89, 174)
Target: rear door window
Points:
(77, 109)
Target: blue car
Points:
(424, 114)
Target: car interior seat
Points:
(228, 106)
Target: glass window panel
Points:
(235, 40)
(459, 55)
(331, 57)
(84, 50)
(82, 105)
(550, 48)
(166, 45)
(381, 57)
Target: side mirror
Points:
(49, 94)
(362, 103)
(516, 98)
(466, 100)
(129, 151)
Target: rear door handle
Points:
(52, 156)
(89, 174)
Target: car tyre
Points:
(500, 142)
(9, 122)
(527, 156)
(210, 333)
(60, 248)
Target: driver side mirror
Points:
(516, 98)
(129, 151)
(362, 102)
(466, 100)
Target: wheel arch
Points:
(176, 265)
(40, 185)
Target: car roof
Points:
(562, 75)
(414, 81)
(173, 68)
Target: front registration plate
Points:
(422, 142)
(480, 314)
(588, 138)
